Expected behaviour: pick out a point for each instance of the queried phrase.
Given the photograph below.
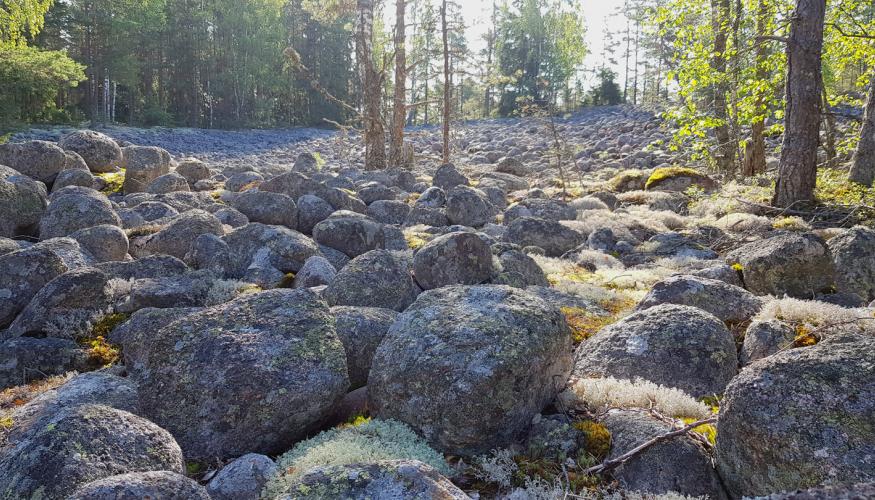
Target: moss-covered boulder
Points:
(251, 375)
(469, 366)
(678, 179)
(81, 444)
(164, 485)
(799, 265)
(800, 418)
(673, 345)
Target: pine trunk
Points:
(725, 156)
(448, 84)
(374, 135)
(798, 170)
(399, 107)
(755, 150)
(863, 167)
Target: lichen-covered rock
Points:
(176, 238)
(73, 211)
(386, 480)
(143, 164)
(370, 192)
(168, 183)
(678, 465)
(389, 211)
(152, 266)
(361, 329)
(379, 278)
(25, 359)
(193, 170)
(67, 306)
(469, 366)
(513, 166)
(135, 335)
(860, 491)
(163, 485)
(243, 181)
(189, 290)
(311, 211)
(99, 151)
(433, 197)
(517, 269)
(453, 259)
(24, 272)
(242, 479)
(854, 254)
(795, 264)
(104, 242)
(436, 217)
(22, 203)
(39, 160)
(553, 437)
(552, 236)
(267, 208)
(764, 338)
(671, 345)
(467, 206)
(251, 375)
(316, 271)
(73, 177)
(355, 234)
(98, 387)
(81, 444)
(263, 254)
(800, 418)
(447, 176)
(729, 303)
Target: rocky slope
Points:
(236, 315)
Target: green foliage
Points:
(539, 45)
(30, 80)
(607, 93)
(21, 19)
(834, 188)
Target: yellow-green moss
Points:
(662, 174)
(598, 438)
(114, 181)
(709, 431)
(622, 181)
(584, 324)
(100, 351)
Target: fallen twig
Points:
(620, 460)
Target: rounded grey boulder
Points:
(800, 418)
(168, 183)
(378, 278)
(468, 367)
(799, 265)
(731, 304)
(39, 160)
(552, 236)
(467, 206)
(70, 212)
(104, 242)
(143, 164)
(267, 208)
(99, 151)
(453, 259)
(361, 329)
(81, 444)
(854, 254)
(242, 479)
(177, 237)
(163, 485)
(672, 345)
(22, 203)
(355, 234)
(251, 375)
(678, 465)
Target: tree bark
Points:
(798, 170)
(374, 133)
(725, 157)
(863, 166)
(448, 85)
(399, 107)
(755, 150)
